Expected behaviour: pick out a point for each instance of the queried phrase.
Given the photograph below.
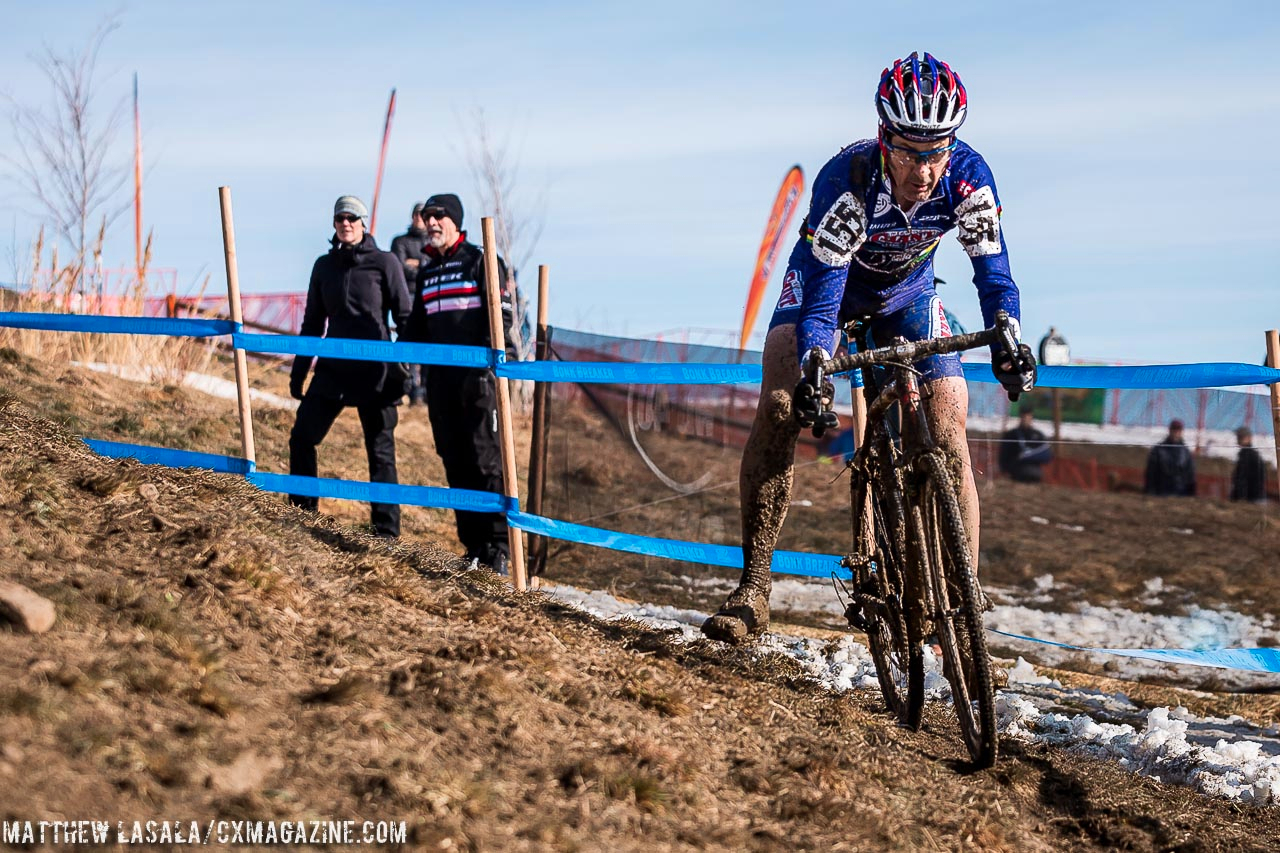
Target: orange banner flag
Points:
(784, 208)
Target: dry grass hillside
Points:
(219, 654)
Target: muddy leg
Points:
(947, 410)
(764, 483)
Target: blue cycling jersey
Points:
(859, 254)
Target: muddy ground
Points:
(219, 654)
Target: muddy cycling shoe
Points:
(744, 615)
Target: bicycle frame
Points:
(913, 572)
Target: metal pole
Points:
(506, 436)
(1273, 360)
(1057, 414)
(233, 298)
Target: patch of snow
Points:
(1024, 673)
(1228, 758)
(212, 385)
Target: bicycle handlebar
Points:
(1001, 333)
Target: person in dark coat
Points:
(1025, 450)
(353, 290)
(1171, 470)
(408, 248)
(1249, 479)
(450, 306)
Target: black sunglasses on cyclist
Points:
(346, 217)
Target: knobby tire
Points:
(893, 629)
(957, 610)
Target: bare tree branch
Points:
(517, 225)
(66, 161)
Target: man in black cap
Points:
(1249, 479)
(450, 306)
(1171, 471)
(354, 287)
(408, 248)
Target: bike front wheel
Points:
(893, 635)
(957, 606)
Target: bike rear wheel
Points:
(892, 627)
(957, 606)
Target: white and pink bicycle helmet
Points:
(921, 99)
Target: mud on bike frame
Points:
(914, 576)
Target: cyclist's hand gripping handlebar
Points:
(815, 395)
(1014, 366)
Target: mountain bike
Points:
(914, 580)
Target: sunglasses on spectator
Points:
(346, 217)
(435, 213)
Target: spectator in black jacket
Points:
(353, 289)
(1249, 479)
(450, 306)
(1025, 450)
(408, 248)
(409, 245)
(1170, 467)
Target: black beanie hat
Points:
(449, 203)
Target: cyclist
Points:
(878, 212)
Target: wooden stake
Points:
(538, 440)
(506, 435)
(233, 299)
(1273, 360)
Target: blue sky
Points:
(1129, 144)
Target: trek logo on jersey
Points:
(841, 231)
(792, 291)
(938, 325)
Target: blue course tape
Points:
(784, 562)
(178, 328)
(387, 493)
(631, 372)
(445, 355)
(1157, 376)
(170, 458)
(1249, 660)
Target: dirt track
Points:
(219, 654)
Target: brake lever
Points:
(1007, 341)
(815, 370)
(1010, 346)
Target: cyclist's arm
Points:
(834, 229)
(978, 230)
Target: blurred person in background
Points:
(354, 288)
(451, 306)
(1025, 450)
(1249, 479)
(1171, 470)
(408, 248)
